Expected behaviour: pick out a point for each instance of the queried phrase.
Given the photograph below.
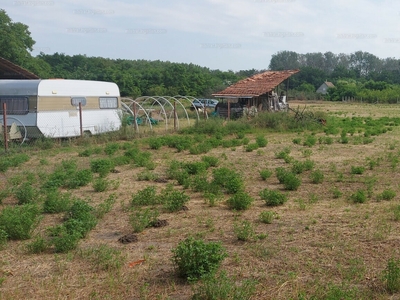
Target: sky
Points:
(217, 34)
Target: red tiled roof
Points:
(256, 85)
(8, 70)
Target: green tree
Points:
(15, 40)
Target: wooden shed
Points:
(257, 92)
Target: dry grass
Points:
(315, 241)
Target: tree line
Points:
(357, 75)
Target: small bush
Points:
(357, 170)
(336, 193)
(140, 218)
(79, 179)
(387, 195)
(147, 196)
(391, 275)
(261, 141)
(195, 258)
(291, 182)
(19, 221)
(38, 245)
(266, 217)
(240, 201)
(102, 166)
(228, 179)
(244, 230)
(199, 183)
(100, 184)
(296, 141)
(111, 148)
(56, 201)
(265, 174)
(25, 194)
(273, 198)
(211, 161)
(251, 147)
(80, 218)
(173, 200)
(359, 197)
(317, 177)
(310, 140)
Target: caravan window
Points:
(15, 105)
(108, 102)
(76, 100)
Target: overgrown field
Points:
(277, 207)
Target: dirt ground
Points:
(314, 243)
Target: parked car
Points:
(208, 103)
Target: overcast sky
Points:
(218, 34)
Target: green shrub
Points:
(156, 143)
(199, 183)
(213, 197)
(100, 184)
(195, 258)
(296, 141)
(266, 217)
(211, 161)
(317, 176)
(102, 166)
(261, 141)
(19, 221)
(291, 182)
(56, 201)
(357, 170)
(147, 196)
(244, 230)
(240, 201)
(111, 148)
(387, 195)
(26, 193)
(80, 218)
(228, 179)
(391, 275)
(79, 179)
(222, 287)
(336, 193)
(310, 140)
(193, 168)
(251, 147)
(65, 241)
(265, 174)
(359, 197)
(38, 245)
(140, 158)
(273, 198)
(142, 218)
(173, 200)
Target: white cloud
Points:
(224, 34)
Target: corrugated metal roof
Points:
(256, 85)
(8, 70)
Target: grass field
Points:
(336, 235)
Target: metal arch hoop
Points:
(20, 124)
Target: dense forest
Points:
(359, 75)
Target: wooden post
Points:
(174, 115)
(5, 126)
(80, 118)
(229, 109)
(134, 117)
